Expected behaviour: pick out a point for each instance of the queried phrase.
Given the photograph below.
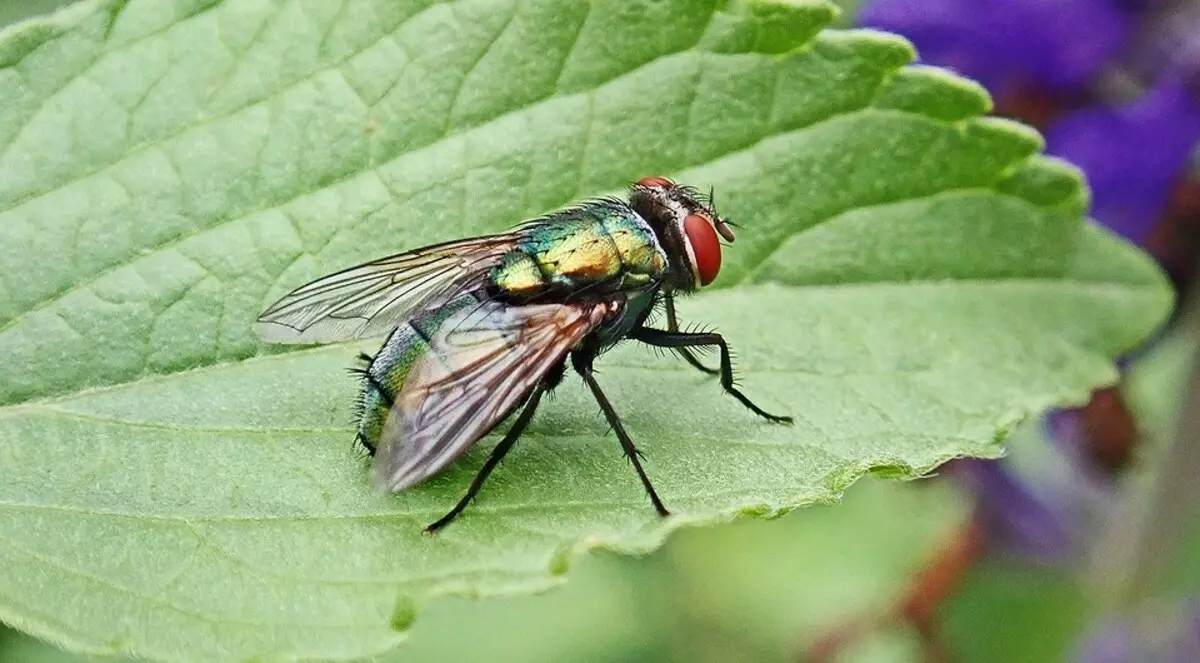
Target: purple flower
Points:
(1041, 519)
(1098, 438)
(1057, 43)
(1168, 44)
(1133, 155)
(1125, 639)
(1111, 641)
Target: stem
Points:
(1147, 526)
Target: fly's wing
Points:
(482, 361)
(369, 300)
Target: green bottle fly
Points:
(481, 328)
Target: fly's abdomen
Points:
(385, 376)
(383, 379)
(567, 251)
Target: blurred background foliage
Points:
(1080, 546)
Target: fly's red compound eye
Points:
(656, 183)
(706, 247)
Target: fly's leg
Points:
(498, 454)
(583, 365)
(676, 339)
(673, 325)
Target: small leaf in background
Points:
(911, 281)
(1011, 613)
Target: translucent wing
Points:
(370, 299)
(482, 362)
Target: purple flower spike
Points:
(1185, 646)
(1016, 519)
(1058, 43)
(1154, 638)
(1133, 156)
(1111, 642)
(1168, 44)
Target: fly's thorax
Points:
(598, 242)
(518, 273)
(624, 316)
(642, 257)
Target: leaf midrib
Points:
(1127, 291)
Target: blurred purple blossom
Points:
(1017, 520)
(1132, 155)
(1173, 638)
(1057, 43)
(1111, 641)
(1168, 44)
(1048, 519)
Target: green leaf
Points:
(12, 11)
(910, 281)
(757, 589)
(18, 648)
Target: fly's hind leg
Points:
(498, 454)
(547, 384)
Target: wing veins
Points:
(373, 298)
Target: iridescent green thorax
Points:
(601, 241)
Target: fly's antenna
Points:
(721, 225)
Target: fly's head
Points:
(688, 228)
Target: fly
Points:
(479, 329)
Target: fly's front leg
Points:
(677, 339)
(673, 325)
